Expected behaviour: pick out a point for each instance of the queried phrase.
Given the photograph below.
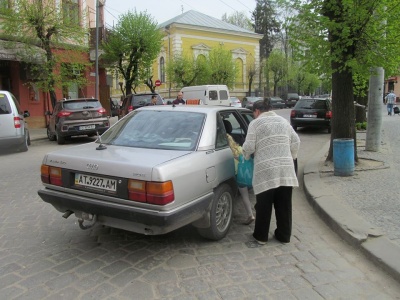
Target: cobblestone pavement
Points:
(375, 194)
(43, 256)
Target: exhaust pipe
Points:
(67, 214)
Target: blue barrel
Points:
(343, 157)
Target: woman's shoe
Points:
(248, 221)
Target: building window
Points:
(71, 11)
(162, 69)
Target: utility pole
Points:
(374, 115)
(96, 89)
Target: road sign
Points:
(157, 82)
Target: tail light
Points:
(64, 114)
(102, 111)
(328, 114)
(130, 108)
(51, 175)
(17, 122)
(292, 113)
(159, 193)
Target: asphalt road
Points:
(44, 256)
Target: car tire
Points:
(294, 127)
(60, 139)
(329, 129)
(29, 139)
(24, 146)
(51, 136)
(221, 214)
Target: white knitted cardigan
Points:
(275, 144)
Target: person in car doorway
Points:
(179, 99)
(275, 145)
(390, 100)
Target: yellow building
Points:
(197, 33)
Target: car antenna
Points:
(101, 146)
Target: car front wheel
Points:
(220, 214)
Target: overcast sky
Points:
(163, 10)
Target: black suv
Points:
(134, 101)
(73, 117)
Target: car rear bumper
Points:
(74, 129)
(10, 142)
(310, 122)
(127, 217)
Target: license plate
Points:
(87, 127)
(310, 116)
(95, 182)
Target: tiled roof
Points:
(196, 18)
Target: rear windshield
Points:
(311, 104)
(165, 130)
(81, 104)
(142, 100)
(5, 107)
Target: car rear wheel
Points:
(220, 214)
(51, 136)
(294, 127)
(329, 129)
(24, 145)
(60, 139)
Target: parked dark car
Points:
(277, 102)
(291, 99)
(248, 102)
(312, 112)
(134, 101)
(76, 117)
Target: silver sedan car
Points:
(157, 169)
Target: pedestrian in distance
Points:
(153, 100)
(179, 99)
(274, 144)
(243, 190)
(390, 100)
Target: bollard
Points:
(343, 157)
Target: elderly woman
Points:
(274, 144)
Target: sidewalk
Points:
(363, 209)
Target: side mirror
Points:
(26, 114)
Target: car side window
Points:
(213, 95)
(223, 95)
(221, 139)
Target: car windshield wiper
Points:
(86, 107)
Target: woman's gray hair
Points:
(262, 105)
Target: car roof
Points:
(78, 99)
(193, 108)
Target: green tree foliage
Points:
(264, 18)
(217, 68)
(184, 70)
(276, 67)
(223, 68)
(239, 19)
(343, 38)
(45, 25)
(132, 46)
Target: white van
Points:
(206, 94)
(14, 134)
